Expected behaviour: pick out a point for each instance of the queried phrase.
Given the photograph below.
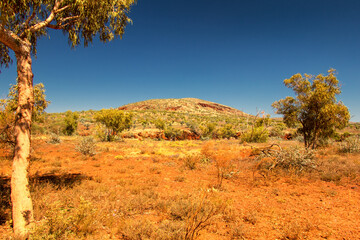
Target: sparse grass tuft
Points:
(87, 146)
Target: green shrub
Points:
(227, 131)
(172, 133)
(207, 131)
(71, 123)
(159, 124)
(256, 134)
(115, 121)
(37, 129)
(277, 130)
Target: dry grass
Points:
(183, 190)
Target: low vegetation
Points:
(213, 189)
(125, 174)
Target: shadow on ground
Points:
(58, 182)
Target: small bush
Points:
(137, 229)
(54, 139)
(190, 161)
(296, 159)
(159, 124)
(350, 145)
(37, 129)
(238, 231)
(227, 131)
(173, 230)
(172, 133)
(87, 146)
(64, 222)
(71, 123)
(256, 134)
(197, 213)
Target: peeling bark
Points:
(22, 207)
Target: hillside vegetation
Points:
(218, 182)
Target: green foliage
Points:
(80, 20)
(40, 102)
(114, 120)
(227, 131)
(159, 124)
(87, 146)
(263, 121)
(255, 134)
(315, 106)
(207, 130)
(8, 107)
(277, 130)
(7, 120)
(71, 122)
(172, 133)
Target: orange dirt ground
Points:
(279, 206)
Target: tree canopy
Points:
(80, 20)
(315, 106)
(114, 120)
(22, 23)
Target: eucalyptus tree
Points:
(315, 107)
(22, 23)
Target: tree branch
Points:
(62, 9)
(10, 39)
(26, 24)
(69, 19)
(49, 19)
(61, 25)
(57, 27)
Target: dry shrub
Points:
(200, 213)
(295, 160)
(136, 229)
(238, 231)
(187, 216)
(87, 146)
(54, 139)
(173, 230)
(350, 145)
(336, 168)
(65, 222)
(294, 230)
(191, 161)
(226, 159)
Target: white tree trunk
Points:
(22, 208)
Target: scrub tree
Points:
(114, 120)
(70, 122)
(22, 23)
(315, 107)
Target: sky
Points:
(233, 52)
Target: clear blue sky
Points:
(232, 52)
